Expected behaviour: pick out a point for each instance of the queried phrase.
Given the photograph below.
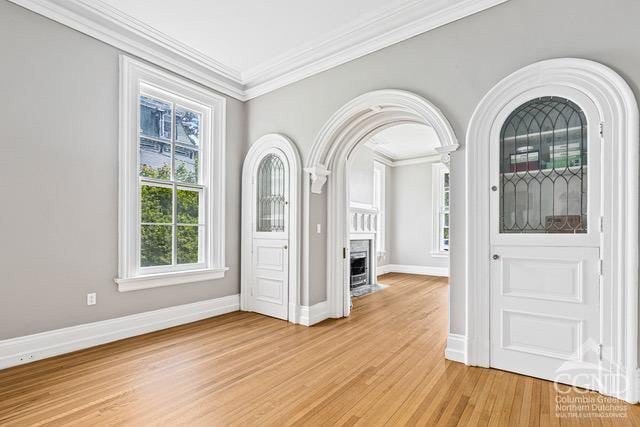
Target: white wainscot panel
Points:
(269, 290)
(549, 336)
(549, 279)
(270, 258)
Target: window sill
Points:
(149, 281)
(440, 254)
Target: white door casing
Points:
(327, 161)
(615, 111)
(270, 259)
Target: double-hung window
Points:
(440, 210)
(171, 180)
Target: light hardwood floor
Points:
(383, 365)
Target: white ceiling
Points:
(245, 33)
(406, 141)
(246, 48)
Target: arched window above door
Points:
(543, 168)
(270, 194)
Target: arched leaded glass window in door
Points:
(270, 193)
(543, 168)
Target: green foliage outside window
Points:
(156, 205)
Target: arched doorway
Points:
(327, 162)
(271, 228)
(611, 114)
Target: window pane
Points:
(187, 127)
(270, 203)
(187, 244)
(155, 118)
(186, 165)
(156, 204)
(155, 245)
(543, 168)
(188, 206)
(155, 159)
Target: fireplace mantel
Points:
(363, 220)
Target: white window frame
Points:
(137, 78)
(379, 203)
(438, 171)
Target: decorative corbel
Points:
(318, 175)
(445, 153)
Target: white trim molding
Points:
(105, 23)
(375, 31)
(318, 176)
(150, 281)
(256, 153)
(387, 161)
(423, 270)
(456, 349)
(26, 349)
(310, 315)
(353, 123)
(136, 78)
(618, 114)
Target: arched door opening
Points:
(355, 122)
(552, 179)
(270, 228)
(398, 210)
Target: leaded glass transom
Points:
(543, 168)
(270, 195)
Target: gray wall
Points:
(453, 66)
(58, 168)
(411, 215)
(361, 175)
(59, 178)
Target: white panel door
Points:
(545, 312)
(271, 277)
(545, 237)
(269, 280)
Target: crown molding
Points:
(376, 31)
(107, 24)
(372, 33)
(386, 157)
(432, 158)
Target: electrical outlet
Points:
(91, 298)
(25, 358)
(318, 228)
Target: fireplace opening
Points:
(359, 262)
(359, 269)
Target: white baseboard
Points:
(16, 351)
(383, 269)
(413, 269)
(456, 348)
(310, 315)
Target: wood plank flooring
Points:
(382, 366)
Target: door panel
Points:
(545, 308)
(543, 278)
(545, 237)
(270, 277)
